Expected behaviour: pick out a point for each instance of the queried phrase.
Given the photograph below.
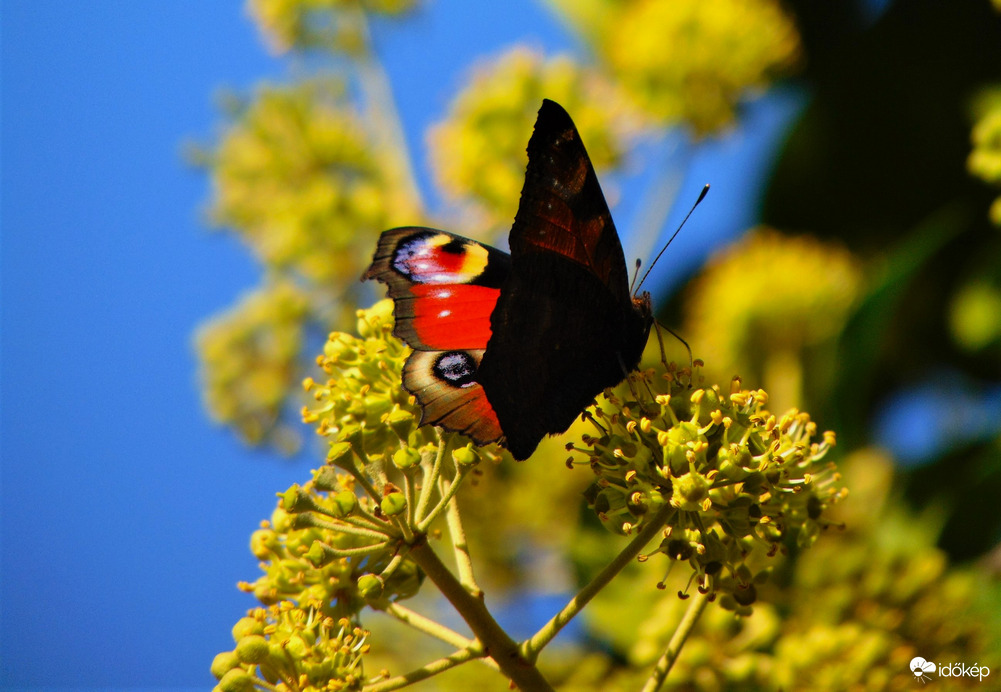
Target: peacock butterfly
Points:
(511, 348)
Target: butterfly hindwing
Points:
(444, 288)
(444, 384)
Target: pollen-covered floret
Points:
(291, 647)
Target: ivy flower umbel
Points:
(362, 409)
(478, 151)
(688, 60)
(334, 25)
(731, 474)
(292, 648)
(985, 159)
(249, 358)
(305, 181)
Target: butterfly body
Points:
(513, 348)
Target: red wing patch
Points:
(445, 286)
(445, 317)
(445, 387)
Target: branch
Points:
(424, 672)
(495, 641)
(530, 649)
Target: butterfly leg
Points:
(660, 339)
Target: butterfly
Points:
(511, 348)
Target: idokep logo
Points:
(923, 670)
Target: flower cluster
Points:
(850, 614)
(303, 180)
(335, 25)
(292, 649)
(338, 543)
(730, 474)
(249, 362)
(478, 152)
(361, 409)
(765, 299)
(985, 159)
(687, 60)
(337, 540)
(315, 551)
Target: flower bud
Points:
(223, 663)
(343, 503)
(252, 649)
(689, 492)
(370, 586)
(406, 458)
(394, 503)
(236, 680)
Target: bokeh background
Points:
(190, 191)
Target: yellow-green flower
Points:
(762, 302)
(336, 25)
(478, 152)
(985, 159)
(973, 315)
(294, 648)
(850, 613)
(361, 407)
(250, 361)
(735, 476)
(688, 60)
(302, 179)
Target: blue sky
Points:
(125, 513)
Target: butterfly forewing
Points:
(565, 326)
(562, 208)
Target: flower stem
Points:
(495, 641)
(463, 561)
(530, 649)
(432, 472)
(424, 672)
(446, 496)
(685, 627)
(435, 629)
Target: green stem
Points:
(367, 517)
(430, 480)
(495, 641)
(446, 497)
(363, 481)
(410, 493)
(531, 648)
(365, 521)
(463, 561)
(355, 552)
(435, 629)
(424, 672)
(685, 627)
(393, 565)
(383, 115)
(340, 527)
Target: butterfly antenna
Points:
(636, 274)
(702, 196)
